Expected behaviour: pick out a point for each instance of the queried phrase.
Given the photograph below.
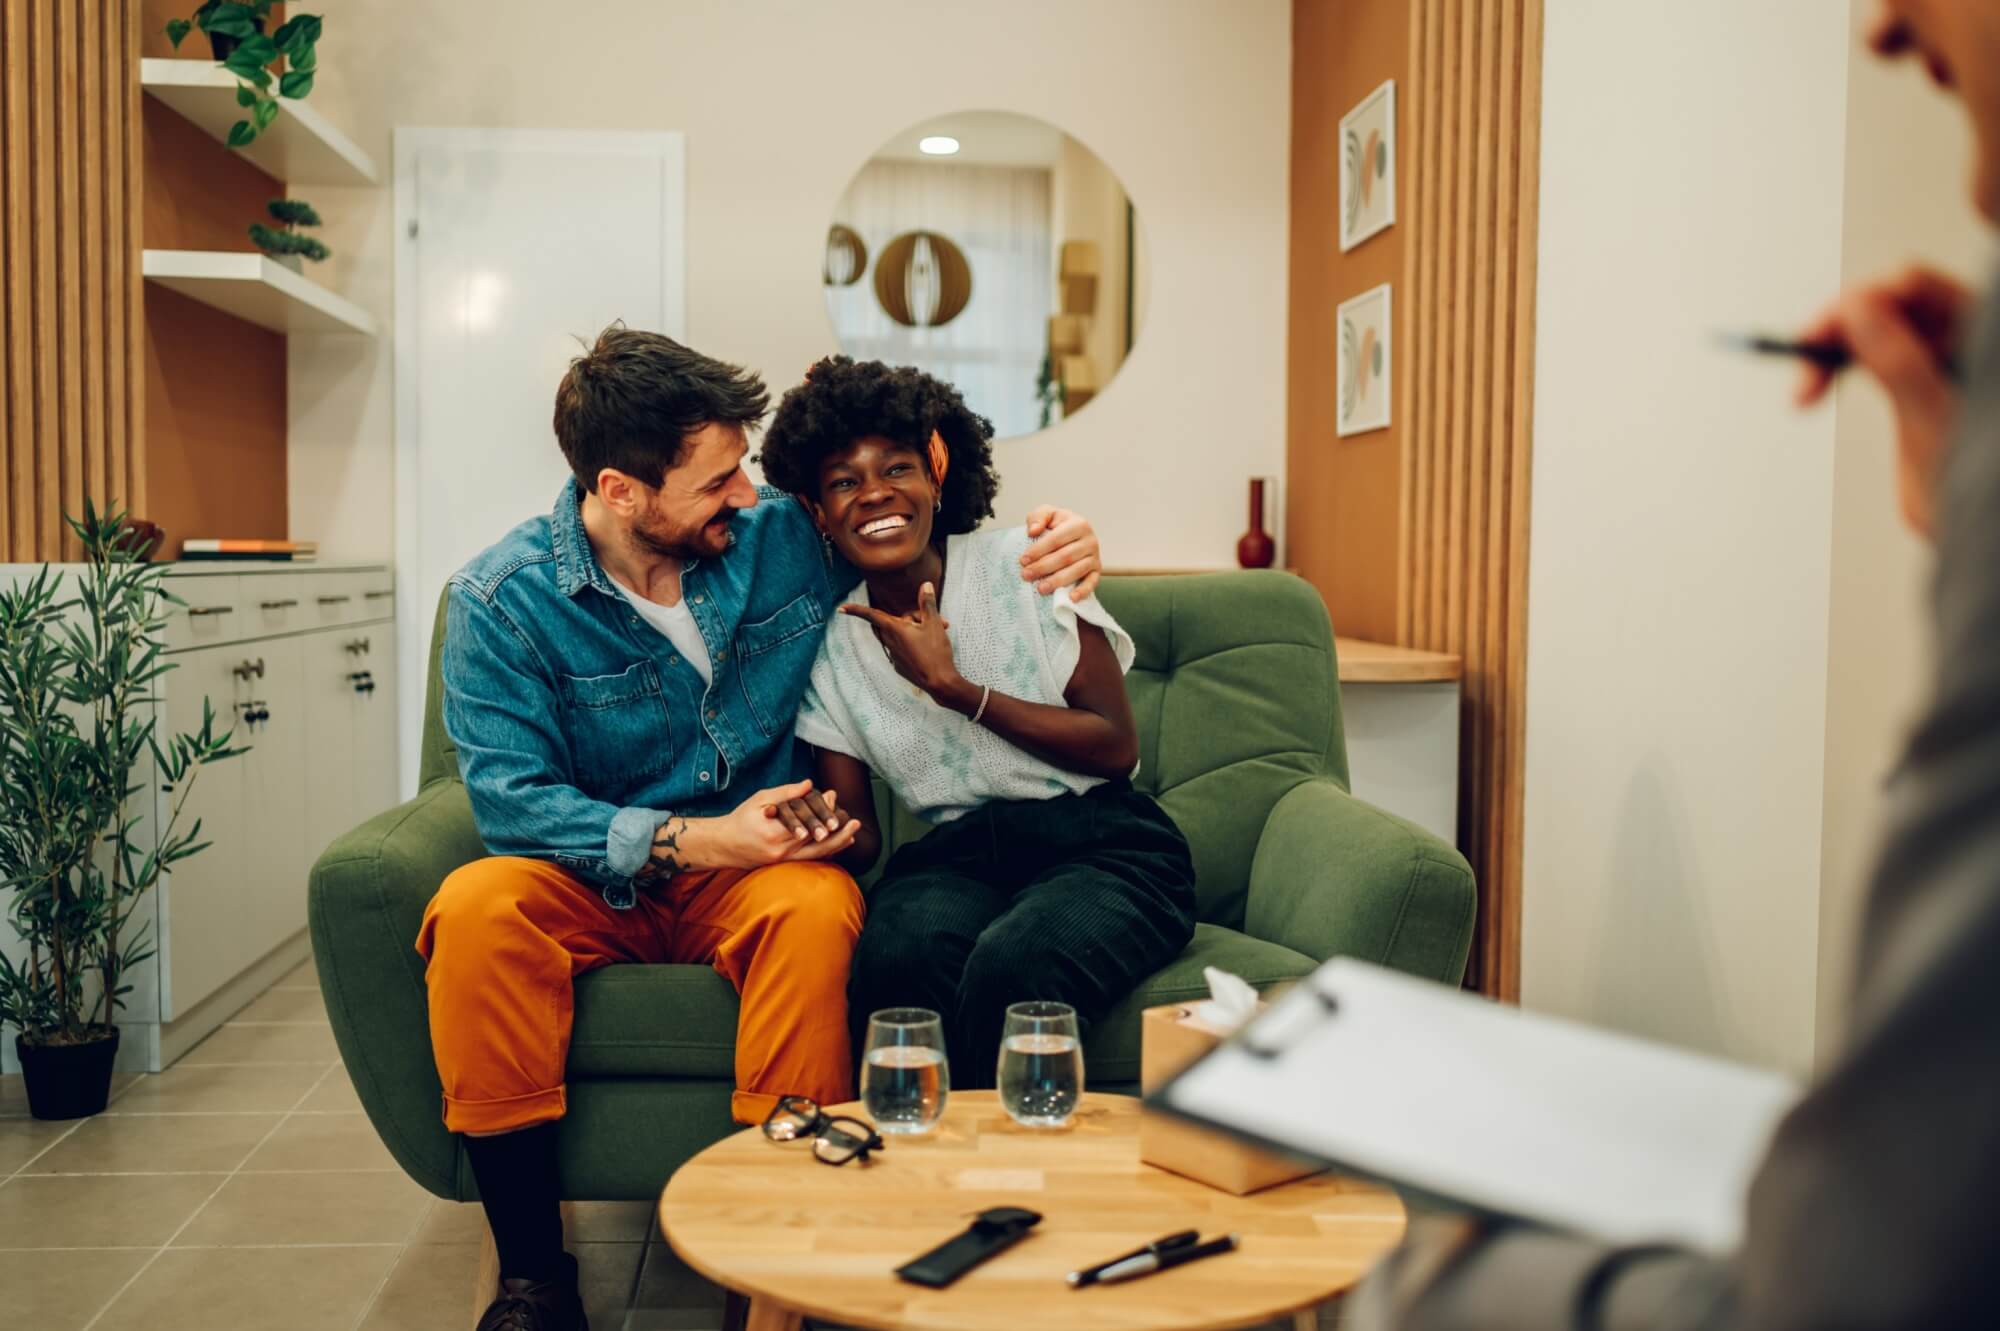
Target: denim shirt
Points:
(579, 726)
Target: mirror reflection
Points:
(993, 251)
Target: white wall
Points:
(782, 100)
(1909, 153)
(1691, 180)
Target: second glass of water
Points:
(904, 1077)
(1041, 1065)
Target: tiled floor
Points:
(244, 1190)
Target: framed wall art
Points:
(1368, 167)
(1363, 365)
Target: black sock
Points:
(523, 1199)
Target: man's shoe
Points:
(538, 1305)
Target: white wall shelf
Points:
(302, 147)
(252, 287)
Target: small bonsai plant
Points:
(236, 32)
(77, 682)
(286, 241)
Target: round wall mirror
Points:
(995, 252)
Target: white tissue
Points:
(1230, 1002)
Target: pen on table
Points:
(1133, 1267)
(1833, 357)
(1091, 1274)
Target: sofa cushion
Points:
(654, 1021)
(1111, 1054)
(680, 1021)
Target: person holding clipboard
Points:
(1873, 1206)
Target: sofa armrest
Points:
(365, 901)
(1334, 876)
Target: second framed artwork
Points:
(1363, 367)
(1368, 167)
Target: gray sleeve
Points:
(1873, 1207)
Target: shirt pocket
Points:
(774, 656)
(617, 728)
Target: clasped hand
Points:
(918, 646)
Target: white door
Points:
(374, 775)
(331, 660)
(511, 245)
(201, 900)
(274, 801)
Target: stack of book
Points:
(294, 552)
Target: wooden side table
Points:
(805, 1239)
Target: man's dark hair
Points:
(631, 401)
(843, 401)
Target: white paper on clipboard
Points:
(1504, 1111)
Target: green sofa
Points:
(1239, 722)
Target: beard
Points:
(707, 541)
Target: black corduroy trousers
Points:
(1074, 899)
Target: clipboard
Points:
(1512, 1114)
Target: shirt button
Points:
(697, 600)
(704, 776)
(711, 713)
(722, 655)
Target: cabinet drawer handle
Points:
(285, 604)
(376, 596)
(334, 600)
(198, 610)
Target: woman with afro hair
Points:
(997, 714)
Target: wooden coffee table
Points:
(802, 1238)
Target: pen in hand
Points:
(1833, 357)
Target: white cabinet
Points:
(203, 897)
(285, 655)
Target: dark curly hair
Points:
(844, 400)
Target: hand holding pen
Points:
(1908, 332)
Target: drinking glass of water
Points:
(1041, 1065)
(904, 1077)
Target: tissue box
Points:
(1170, 1038)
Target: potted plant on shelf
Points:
(236, 35)
(76, 688)
(285, 243)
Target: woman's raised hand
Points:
(920, 649)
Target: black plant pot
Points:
(222, 43)
(68, 1080)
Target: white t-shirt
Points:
(1004, 634)
(677, 622)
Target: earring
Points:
(826, 544)
(938, 507)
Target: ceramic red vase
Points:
(1256, 549)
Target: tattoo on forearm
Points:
(665, 861)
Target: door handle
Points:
(376, 596)
(195, 611)
(249, 668)
(334, 600)
(286, 604)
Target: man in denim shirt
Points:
(621, 679)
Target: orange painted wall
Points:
(1343, 496)
(216, 418)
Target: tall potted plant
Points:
(76, 688)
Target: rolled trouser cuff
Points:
(504, 1115)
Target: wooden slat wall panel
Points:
(69, 274)
(1471, 138)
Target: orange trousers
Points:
(504, 938)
